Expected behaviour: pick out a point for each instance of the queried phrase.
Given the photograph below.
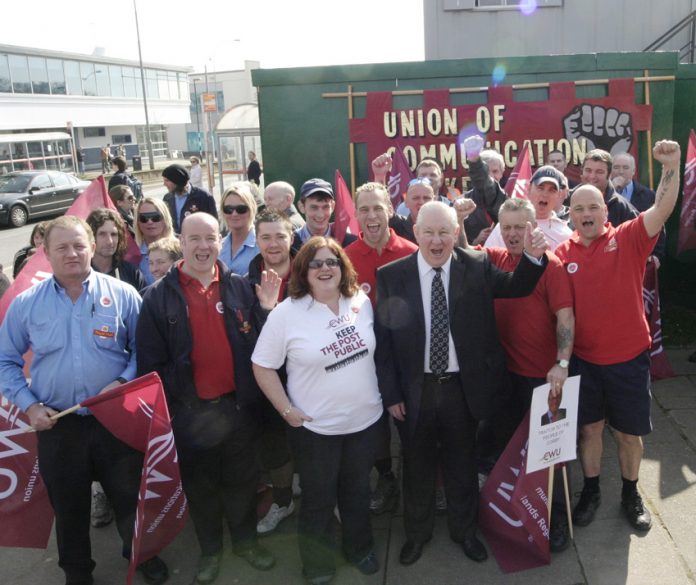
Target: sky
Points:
(223, 33)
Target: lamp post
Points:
(148, 138)
(198, 116)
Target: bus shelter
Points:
(237, 133)
(36, 151)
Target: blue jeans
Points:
(334, 469)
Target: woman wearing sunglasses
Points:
(239, 246)
(323, 334)
(153, 222)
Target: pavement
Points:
(608, 552)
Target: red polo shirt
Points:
(366, 260)
(211, 356)
(527, 325)
(607, 282)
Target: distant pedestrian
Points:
(80, 160)
(105, 155)
(254, 169)
(196, 172)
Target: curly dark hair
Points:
(99, 217)
(298, 286)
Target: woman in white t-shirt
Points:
(323, 334)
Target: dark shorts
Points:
(619, 393)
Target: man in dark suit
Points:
(554, 413)
(640, 196)
(183, 198)
(441, 367)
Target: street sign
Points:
(209, 102)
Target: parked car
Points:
(26, 195)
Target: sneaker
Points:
(585, 509)
(154, 571)
(386, 495)
(275, 515)
(637, 514)
(369, 565)
(102, 512)
(440, 501)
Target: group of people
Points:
(285, 350)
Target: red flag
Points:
(344, 212)
(518, 182)
(687, 219)
(38, 268)
(137, 414)
(399, 177)
(26, 512)
(513, 515)
(660, 368)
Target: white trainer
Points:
(274, 516)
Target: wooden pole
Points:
(549, 493)
(651, 177)
(58, 415)
(567, 501)
(537, 85)
(351, 145)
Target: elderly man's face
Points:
(278, 199)
(436, 233)
(513, 225)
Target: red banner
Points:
(660, 368)
(399, 178)
(564, 121)
(687, 219)
(38, 268)
(513, 515)
(344, 212)
(27, 515)
(518, 182)
(137, 414)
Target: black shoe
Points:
(585, 509)
(386, 495)
(154, 571)
(258, 557)
(559, 537)
(208, 569)
(637, 514)
(84, 581)
(369, 565)
(474, 549)
(411, 552)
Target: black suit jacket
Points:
(400, 328)
(560, 415)
(198, 200)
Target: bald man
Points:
(197, 330)
(280, 196)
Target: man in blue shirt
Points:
(80, 326)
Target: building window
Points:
(116, 79)
(20, 74)
(121, 139)
(39, 75)
(94, 132)
(151, 83)
(158, 137)
(56, 77)
(131, 82)
(5, 80)
(72, 77)
(101, 73)
(515, 3)
(88, 74)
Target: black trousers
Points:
(445, 420)
(334, 469)
(219, 474)
(75, 452)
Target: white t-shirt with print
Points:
(330, 361)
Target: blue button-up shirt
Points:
(144, 265)
(78, 348)
(239, 263)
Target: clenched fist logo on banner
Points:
(605, 128)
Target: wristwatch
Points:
(563, 363)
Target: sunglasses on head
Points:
(330, 262)
(419, 181)
(154, 217)
(240, 209)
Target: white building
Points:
(100, 97)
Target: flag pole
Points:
(351, 145)
(651, 178)
(549, 492)
(567, 501)
(58, 415)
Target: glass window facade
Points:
(35, 155)
(41, 75)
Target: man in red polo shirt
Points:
(378, 245)
(197, 332)
(606, 265)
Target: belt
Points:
(227, 396)
(445, 378)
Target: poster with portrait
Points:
(553, 425)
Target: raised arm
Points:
(668, 153)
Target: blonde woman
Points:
(239, 247)
(153, 222)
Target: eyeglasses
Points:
(330, 262)
(420, 181)
(153, 217)
(230, 209)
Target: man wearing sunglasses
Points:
(183, 198)
(317, 202)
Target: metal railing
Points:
(688, 51)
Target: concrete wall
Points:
(576, 26)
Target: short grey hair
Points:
(517, 204)
(488, 155)
(433, 206)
